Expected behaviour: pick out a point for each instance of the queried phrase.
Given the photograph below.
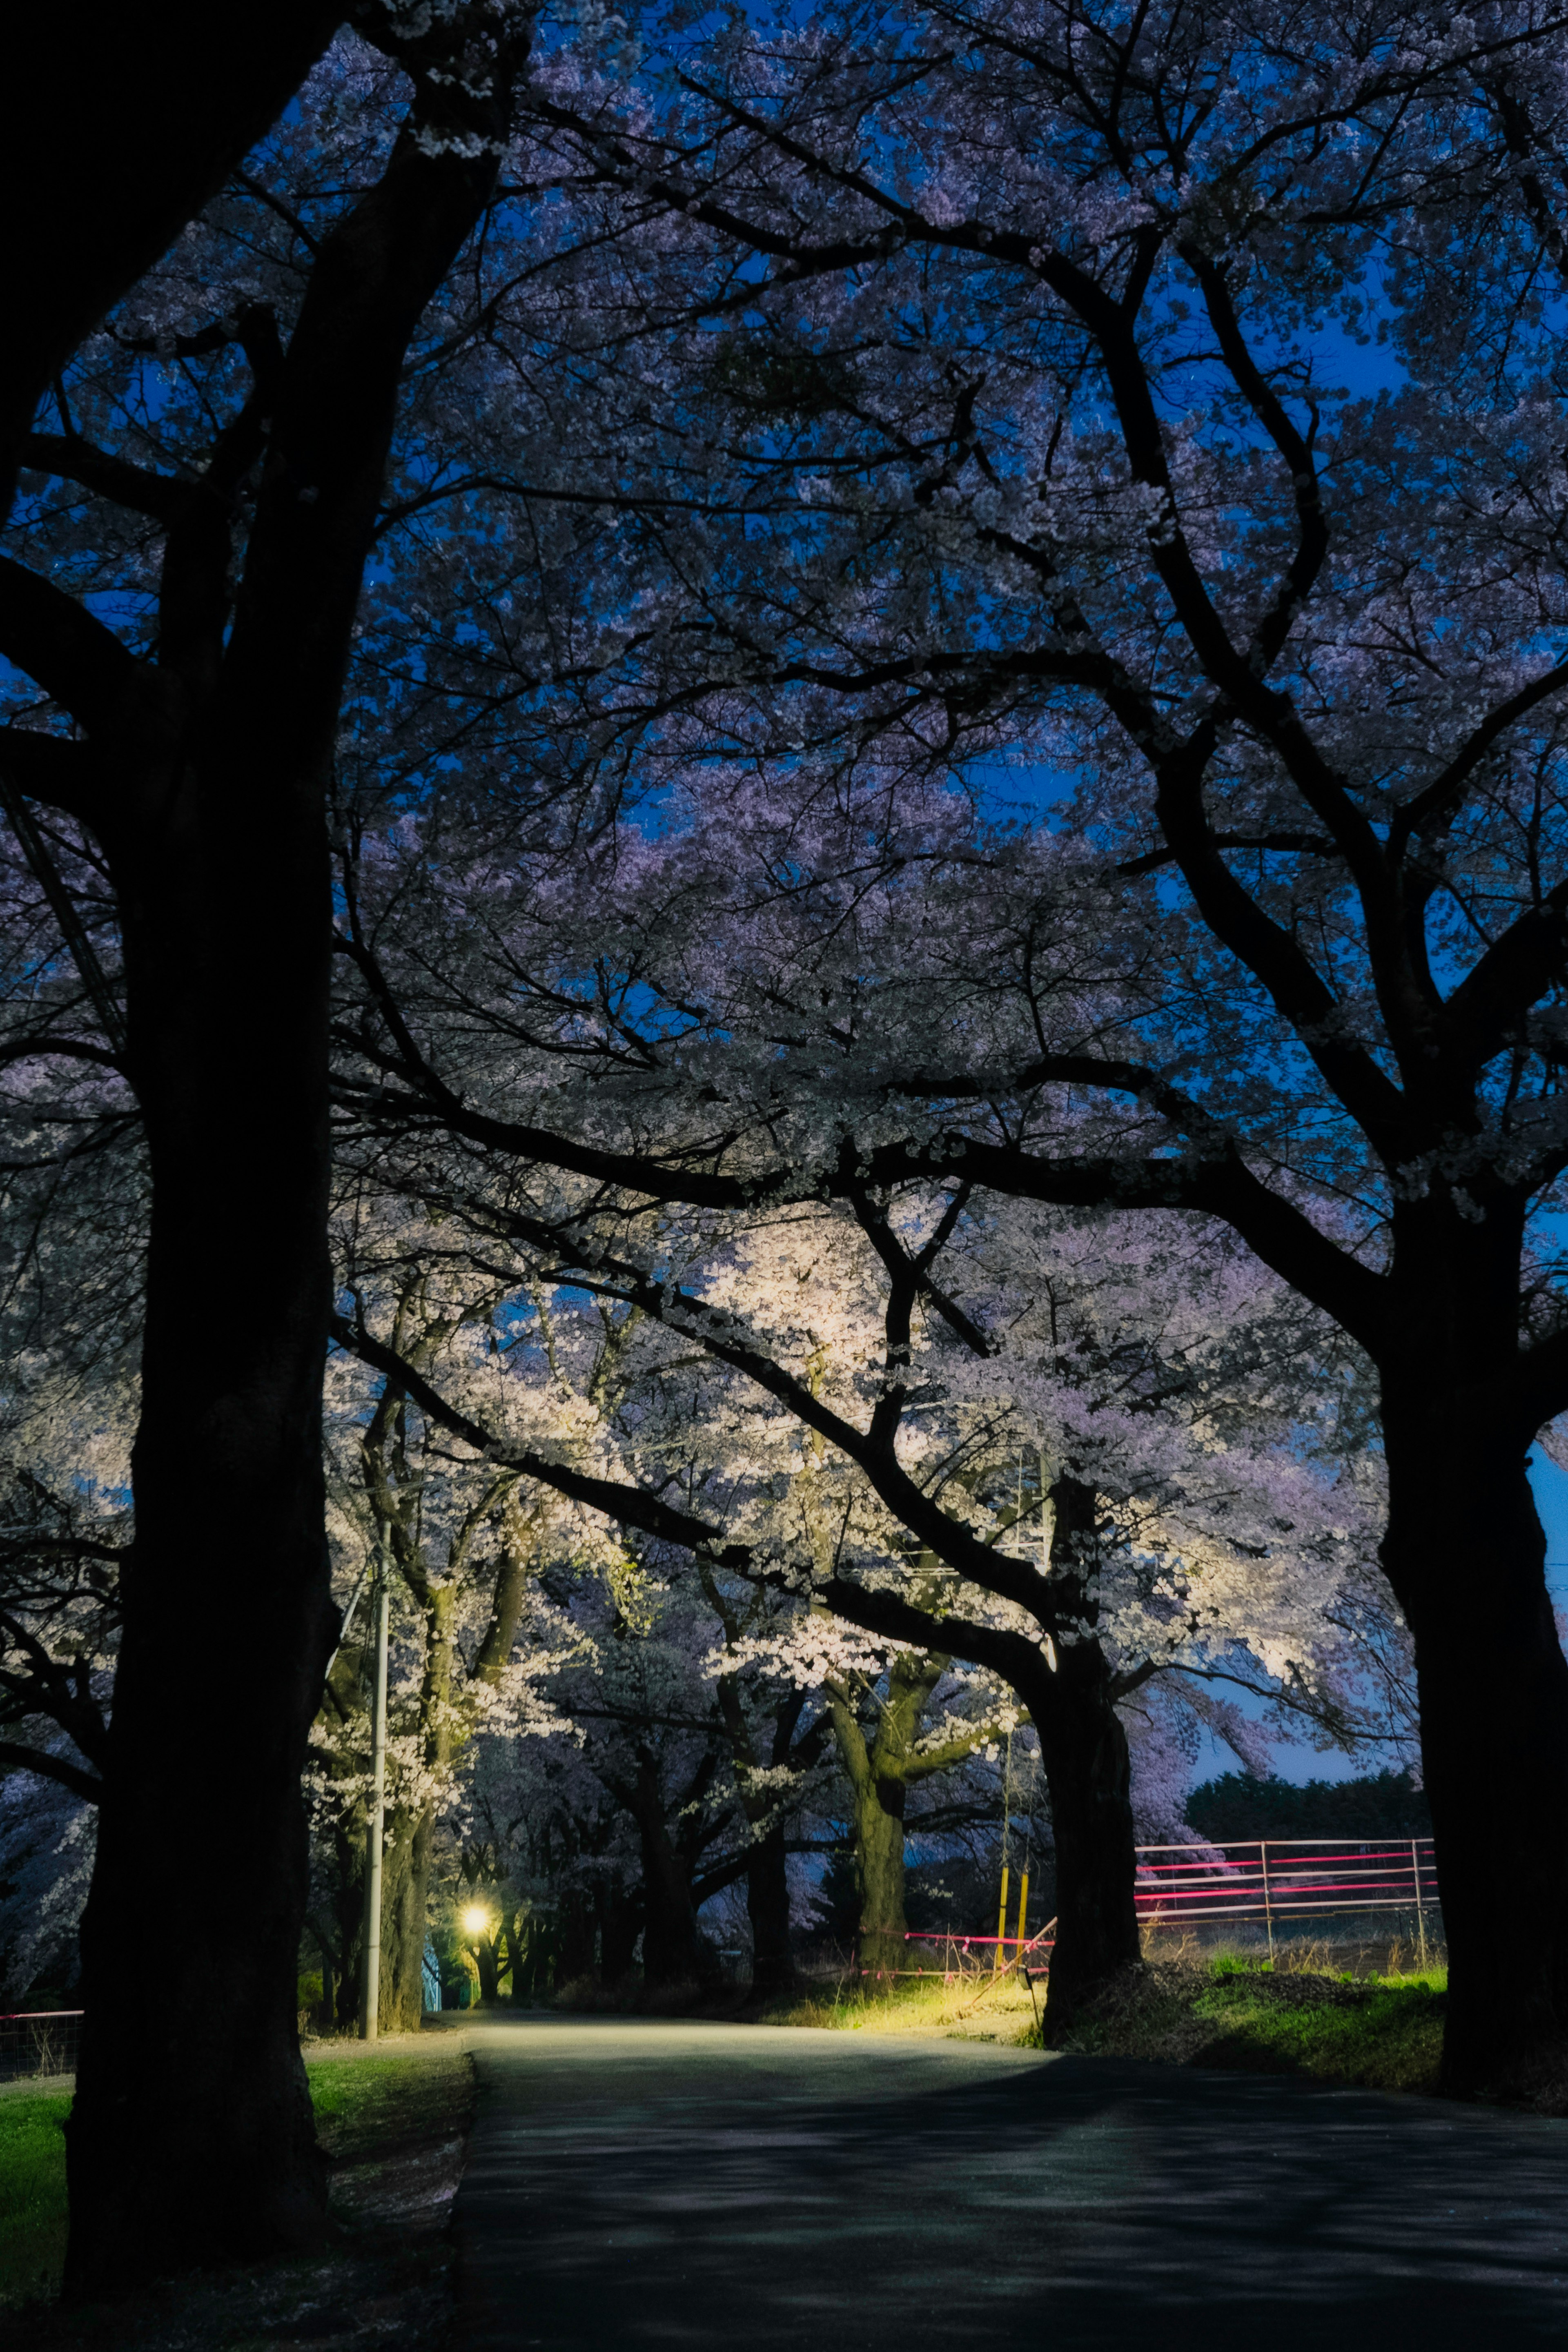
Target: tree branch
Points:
(85, 1785)
(163, 496)
(80, 664)
(631, 1506)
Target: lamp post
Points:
(369, 1982)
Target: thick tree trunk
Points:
(228, 1607)
(1088, 1774)
(211, 770)
(880, 1865)
(767, 1907)
(1466, 1555)
(1083, 1747)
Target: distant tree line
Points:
(1239, 1805)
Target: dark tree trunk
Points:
(674, 1951)
(533, 1952)
(618, 1936)
(210, 774)
(767, 1906)
(226, 941)
(577, 1922)
(767, 1876)
(346, 2014)
(536, 1964)
(1466, 1555)
(486, 1955)
(1088, 1774)
(1083, 1747)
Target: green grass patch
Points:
(1381, 2033)
(32, 2196)
(367, 2110)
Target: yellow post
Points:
(1002, 1917)
(1023, 1907)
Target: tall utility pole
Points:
(370, 1986)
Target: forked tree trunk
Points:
(878, 1770)
(488, 1960)
(1466, 1556)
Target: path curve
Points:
(644, 2186)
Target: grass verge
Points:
(966, 2008)
(393, 2128)
(32, 2196)
(1382, 2033)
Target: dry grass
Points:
(969, 2006)
(1362, 1957)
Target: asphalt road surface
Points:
(656, 2187)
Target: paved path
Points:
(636, 2186)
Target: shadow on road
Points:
(636, 2183)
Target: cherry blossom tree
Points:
(1174, 405)
(1167, 1522)
(459, 1552)
(656, 1683)
(962, 479)
(887, 1744)
(777, 1730)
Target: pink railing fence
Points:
(1280, 1879)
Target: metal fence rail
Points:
(39, 2045)
(1275, 1879)
(971, 1956)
